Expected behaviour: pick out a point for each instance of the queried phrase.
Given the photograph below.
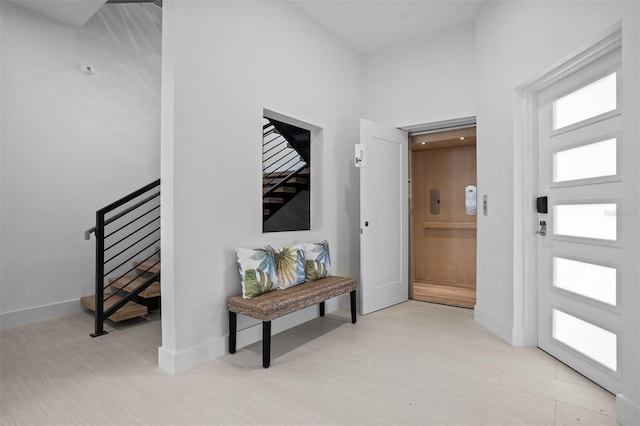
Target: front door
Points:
(383, 154)
(585, 250)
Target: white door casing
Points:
(384, 216)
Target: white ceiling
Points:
(370, 25)
(70, 12)
(364, 25)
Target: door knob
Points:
(543, 228)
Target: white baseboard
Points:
(179, 362)
(627, 413)
(176, 363)
(40, 313)
(494, 325)
(521, 338)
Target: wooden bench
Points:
(274, 304)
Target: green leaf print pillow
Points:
(290, 265)
(317, 260)
(257, 271)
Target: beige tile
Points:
(414, 363)
(568, 374)
(514, 407)
(568, 414)
(18, 406)
(588, 396)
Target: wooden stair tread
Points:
(128, 311)
(301, 180)
(285, 173)
(152, 291)
(151, 266)
(273, 200)
(286, 189)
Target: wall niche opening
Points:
(286, 176)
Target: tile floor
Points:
(415, 363)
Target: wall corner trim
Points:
(493, 324)
(179, 362)
(627, 413)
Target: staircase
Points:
(120, 287)
(285, 164)
(127, 276)
(285, 192)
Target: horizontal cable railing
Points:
(280, 160)
(126, 231)
(277, 182)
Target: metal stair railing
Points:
(126, 229)
(281, 159)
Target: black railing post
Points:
(99, 296)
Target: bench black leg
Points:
(321, 309)
(232, 332)
(352, 295)
(266, 344)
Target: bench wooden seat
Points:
(274, 304)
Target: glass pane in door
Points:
(586, 220)
(586, 279)
(587, 161)
(587, 102)
(589, 339)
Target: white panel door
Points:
(384, 232)
(585, 258)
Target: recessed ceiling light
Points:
(423, 143)
(461, 137)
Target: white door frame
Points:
(525, 179)
(421, 129)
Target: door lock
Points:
(543, 228)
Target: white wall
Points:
(516, 41)
(425, 80)
(71, 143)
(229, 60)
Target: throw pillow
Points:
(290, 265)
(257, 271)
(317, 260)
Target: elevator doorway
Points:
(443, 193)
